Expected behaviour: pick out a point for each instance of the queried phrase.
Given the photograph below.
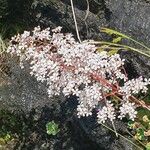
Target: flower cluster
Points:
(107, 112)
(127, 108)
(78, 69)
(134, 86)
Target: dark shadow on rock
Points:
(75, 133)
(136, 65)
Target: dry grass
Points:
(3, 45)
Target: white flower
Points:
(102, 115)
(83, 111)
(128, 109)
(77, 69)
(58, 29)
(134, 86)
(107, 112)
(25, 34)
(89, 97)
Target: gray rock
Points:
(24, 92)
(131, 17)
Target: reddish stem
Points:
(114, 88)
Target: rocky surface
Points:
(19, 90)
(130, 17)
(22, 93)
(136, 65)
(75, 133)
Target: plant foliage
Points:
(144, 50)
(52, 128)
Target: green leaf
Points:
(116, 40)
(7, 137)
(130, 124)
(52, 128)
(145, 119)
(2, 141)
(140, 134)
(111, 31)
(112, 52)
(100, 49)
(145, 51)
(148, 146)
